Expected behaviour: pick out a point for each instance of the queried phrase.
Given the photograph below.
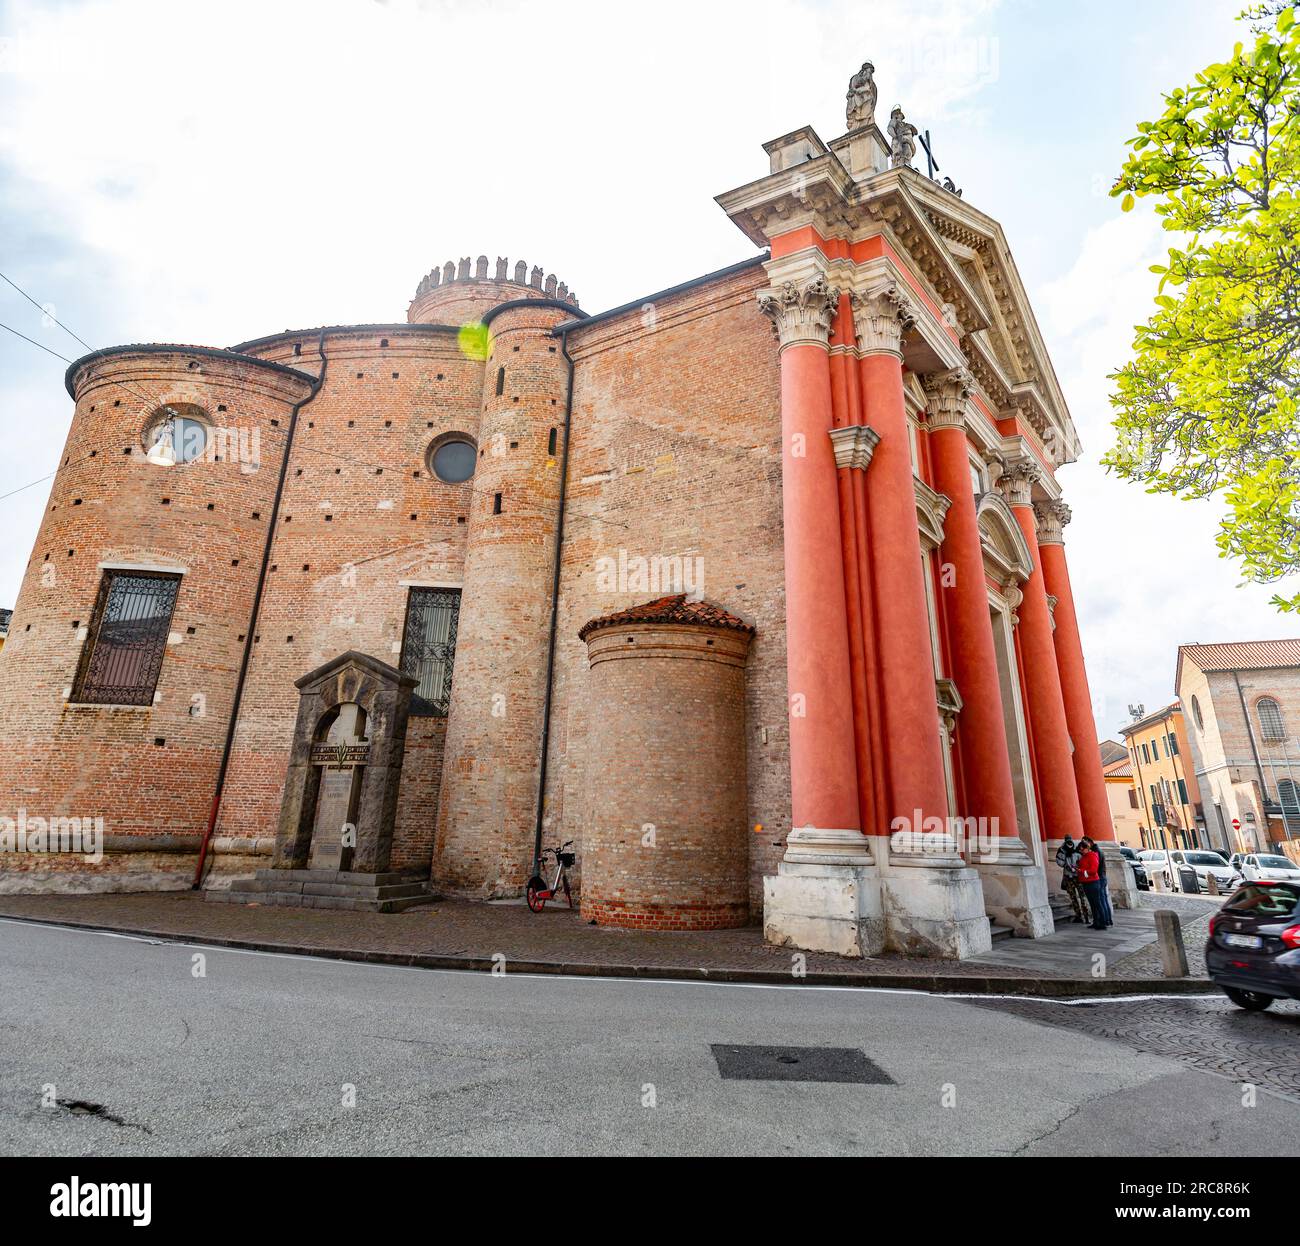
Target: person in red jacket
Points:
(1090, 881)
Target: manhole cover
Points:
(798, 1064)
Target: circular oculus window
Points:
(453, 460)
(188, 429)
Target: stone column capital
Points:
(1018, 479)
(881, 315)
(947, 395)
(1051, 518)
(854, 445)
(801, 312)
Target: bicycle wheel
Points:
(535, 894)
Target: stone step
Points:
(297, 899)
(1000, 932)
(339, 876)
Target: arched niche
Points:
(344, 766)
(1006, 553)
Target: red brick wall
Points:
(147, 770)
(676, 450)
(362, 516)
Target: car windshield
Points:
(1261, 900)
(1205, 858)
(1276, 863)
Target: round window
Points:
(453, 461)
(183, 427)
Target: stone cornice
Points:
(1051, 518)
(882, 313)
(801, 312)
(854, 445)
(948, 397)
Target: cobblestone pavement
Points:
(1212, 1035)
(1194, 913)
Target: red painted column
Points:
(913, 756)
(823, 773)
(981, 727)
(1058, 795)
(1052, 517)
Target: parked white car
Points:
(1268, 867)
(1204, 863)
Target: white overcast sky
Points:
(208, 172)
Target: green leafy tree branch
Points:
(1208, 404)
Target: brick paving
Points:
(459, 933)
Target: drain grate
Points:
(798, 1064)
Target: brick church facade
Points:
(754, 587)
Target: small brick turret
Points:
(667, 846)
(487, 804)
(460, 292)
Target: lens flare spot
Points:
(474, 340)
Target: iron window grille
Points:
(128, 636)
(1271, 726)
(429, 648)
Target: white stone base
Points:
(826, 895)
(1015, 893)
(936, 911)
(1119, 877)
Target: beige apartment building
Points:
(1168, 797)
(1243, 708)
(1126, 813)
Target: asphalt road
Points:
(111, 1045)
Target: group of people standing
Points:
(1083, 878)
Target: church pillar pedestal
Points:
(1015, 892)
(825, 896)
(933, 901)
(1089, 780)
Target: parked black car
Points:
(1253, 952)
(1139, 868)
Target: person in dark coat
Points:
(1067, 857)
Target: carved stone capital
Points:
(1018, 479)
(1051, 518)
(854, 445)
(947, 395)
(801, 312)
(881, 315)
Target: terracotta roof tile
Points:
(1244, 655)
(674, 609)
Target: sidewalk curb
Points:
(938, 984)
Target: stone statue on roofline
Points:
(860, 102)
(902, 134)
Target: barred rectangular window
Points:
(128, 636)
(429, 648)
